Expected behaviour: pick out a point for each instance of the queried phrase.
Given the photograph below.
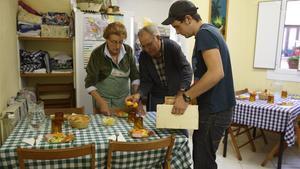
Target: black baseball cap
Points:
(178, 9)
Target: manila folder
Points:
(165, 118)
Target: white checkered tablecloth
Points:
(272, 117)
(98, 134)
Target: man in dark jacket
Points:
(164, 70)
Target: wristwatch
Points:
(186, 98)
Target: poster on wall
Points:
(94, 27)
(218, 12)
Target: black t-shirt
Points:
(221, 96)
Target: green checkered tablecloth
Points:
(98, 134)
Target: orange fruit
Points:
(135, 105)
(129, 103)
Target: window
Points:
(291, 37)
(288, 53)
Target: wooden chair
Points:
(55, 154)
(56, 95)
(79, 110)
(297, 130)
(142, 146)
(236, 130)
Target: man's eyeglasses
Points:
(149, 44)
(114, 42)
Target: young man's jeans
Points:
(206, 140)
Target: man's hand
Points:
(133, 98)
(141, 109)
(179, 106)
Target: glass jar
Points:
(56, 126)
(138, 122)
(252, 97)
(284, 94)
(131, 117)
(270, 99)
(56, 123)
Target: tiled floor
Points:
(252, 160)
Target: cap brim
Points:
(168, 21)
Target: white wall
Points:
(155, 10)
(9, 71)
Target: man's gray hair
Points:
(151, 29)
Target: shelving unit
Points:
(47, 74)
(51, 82)
(29, 38)
(54, 46)
(49, 43)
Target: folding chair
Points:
(56, 154)
(167, 142)
(236, 130)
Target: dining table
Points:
(278, 116)
(99, 134)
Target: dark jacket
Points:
(177, 70)
(99, 66)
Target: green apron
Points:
(114, 89)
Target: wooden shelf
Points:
(44, 38)
(47, 74)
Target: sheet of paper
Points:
(165, 119)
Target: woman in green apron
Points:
(110, 69)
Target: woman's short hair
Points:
(115, 28)
(151, 29)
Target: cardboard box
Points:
(165, 119)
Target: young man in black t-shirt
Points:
(213, 85)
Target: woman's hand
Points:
(104, 109)
(103, 106)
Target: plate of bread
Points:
(140, 133)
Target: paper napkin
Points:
(120, 137)
(30, 141)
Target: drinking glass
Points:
(270, 99)
(252, 97)
(36, 119)
(284, 94)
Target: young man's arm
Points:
(213, 75)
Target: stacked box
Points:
(55, 31)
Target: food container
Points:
(79, 121)
(108, 121)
